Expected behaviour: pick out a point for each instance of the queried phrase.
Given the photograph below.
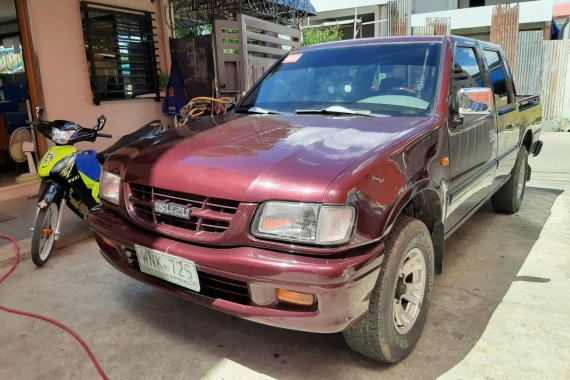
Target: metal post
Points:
(355, 20)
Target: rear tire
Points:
(510, 196)
(43, 237)
(400, 299)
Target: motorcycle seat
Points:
(148, 130)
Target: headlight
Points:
(61, 137)
(304, 222)
(69, 160)
(110, 187)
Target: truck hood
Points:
(252, 158)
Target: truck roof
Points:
(402, 39)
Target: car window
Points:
(466, 73)
(466, 68)
(497, 72)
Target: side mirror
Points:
(475, 101)
(101, 120)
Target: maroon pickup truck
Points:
(321, 202)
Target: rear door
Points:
(506, 110)
(472, 140)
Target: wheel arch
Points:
(425, 202)
(527, 140)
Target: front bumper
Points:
(342, 285)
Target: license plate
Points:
(168, 267)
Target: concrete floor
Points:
(138, 332)
(24, 212)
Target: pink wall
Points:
(58, 44)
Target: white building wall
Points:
(495, 2)
(329, 17)
(335, 5)
(465, 3)
(418, 6)
(466, 18)
(425, 6)
(476, 19)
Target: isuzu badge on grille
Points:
(172, 209)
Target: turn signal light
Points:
(297, 298)
(108, 241)
(271, 224)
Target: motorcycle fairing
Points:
(84, 188)
(89, 170)
(88, 164)
(53, 156)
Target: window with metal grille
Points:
(121, 51)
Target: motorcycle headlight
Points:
(110, 187)
(61, 137)
(304, 222)
(64, 163)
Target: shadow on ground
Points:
(139, 332)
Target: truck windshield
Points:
(382, 79)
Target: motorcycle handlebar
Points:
(106, 135)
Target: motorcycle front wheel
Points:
(43, 236)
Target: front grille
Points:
(219, 287)
(210, 215)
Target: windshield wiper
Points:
(258, 110)
(339, 110)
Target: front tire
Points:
(400, 300)
(510, 196)
(43, 237)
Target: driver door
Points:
(472, 141)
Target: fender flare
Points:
(404, 199)
(437, 232)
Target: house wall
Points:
(366, 14)
(335, 5)
(495, 2)
(57, 36)
(531, 12)
(422, 6)
(465, 3)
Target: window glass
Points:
(121, 52)
(466, 70)
(389, 79)
(497, 74)
(466, 73)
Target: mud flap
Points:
(438, 240)
(528, 172)
(536, 148)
